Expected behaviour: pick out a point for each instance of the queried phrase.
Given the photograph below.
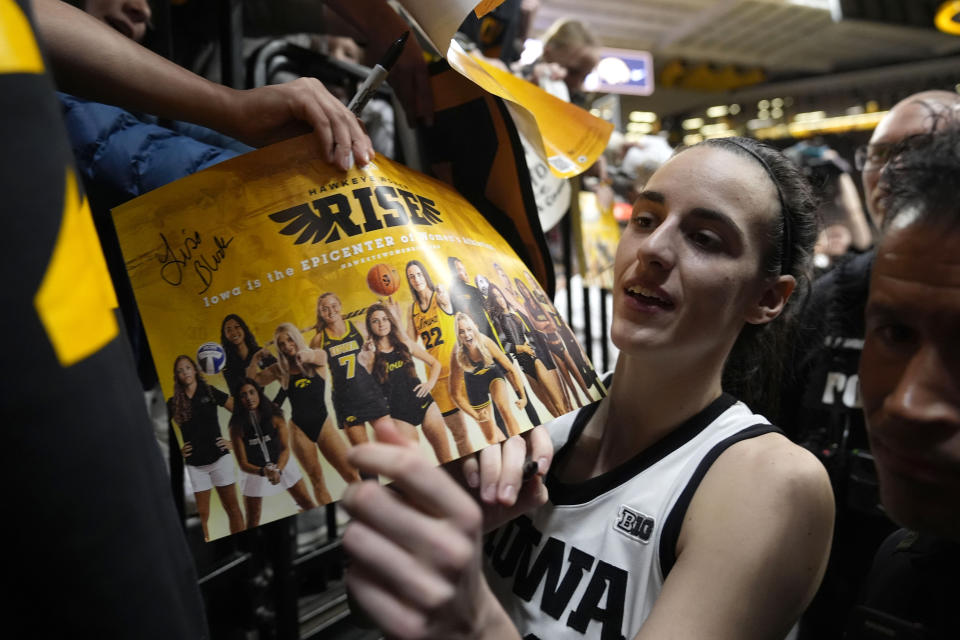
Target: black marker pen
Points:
(377, 75)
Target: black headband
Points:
(787, 244)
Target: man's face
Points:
(910, 376)
(905, 120)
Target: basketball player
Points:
(410, 400)
(431, 321)
(356, 397)
(675, 511)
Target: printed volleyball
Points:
(383, 279)
(211, 357)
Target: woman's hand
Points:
(272, 473)
(223, 444)
(415, 548)
(186, 450)
(496, 475)
(522, 400)
(423, 389)
(316, 357)
(367, 354)
(527, 349)
(275, 112)
(548, 71)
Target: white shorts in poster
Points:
(208, 476)
(261, 487)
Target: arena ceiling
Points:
(784, 37)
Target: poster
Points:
(289, 306)
(599, 235)
(551, 194)
(567, 138)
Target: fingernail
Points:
(489, 493)
(473, 480)
(543, 464)
(507, 493)
(347, 161)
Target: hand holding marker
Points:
(376, 78)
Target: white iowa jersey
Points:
(591, 562)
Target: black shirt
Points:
(467, 299)
(203, 427)
(97, 546)
(914, 585)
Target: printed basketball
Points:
(211, 357)
(383, 280)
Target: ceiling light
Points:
(713, 129)
(718, 111)
(643, 116)
(692, 123)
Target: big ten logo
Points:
(634, 524)
(842, 389)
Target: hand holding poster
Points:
(290, 307)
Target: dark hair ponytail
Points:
(754, 369)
